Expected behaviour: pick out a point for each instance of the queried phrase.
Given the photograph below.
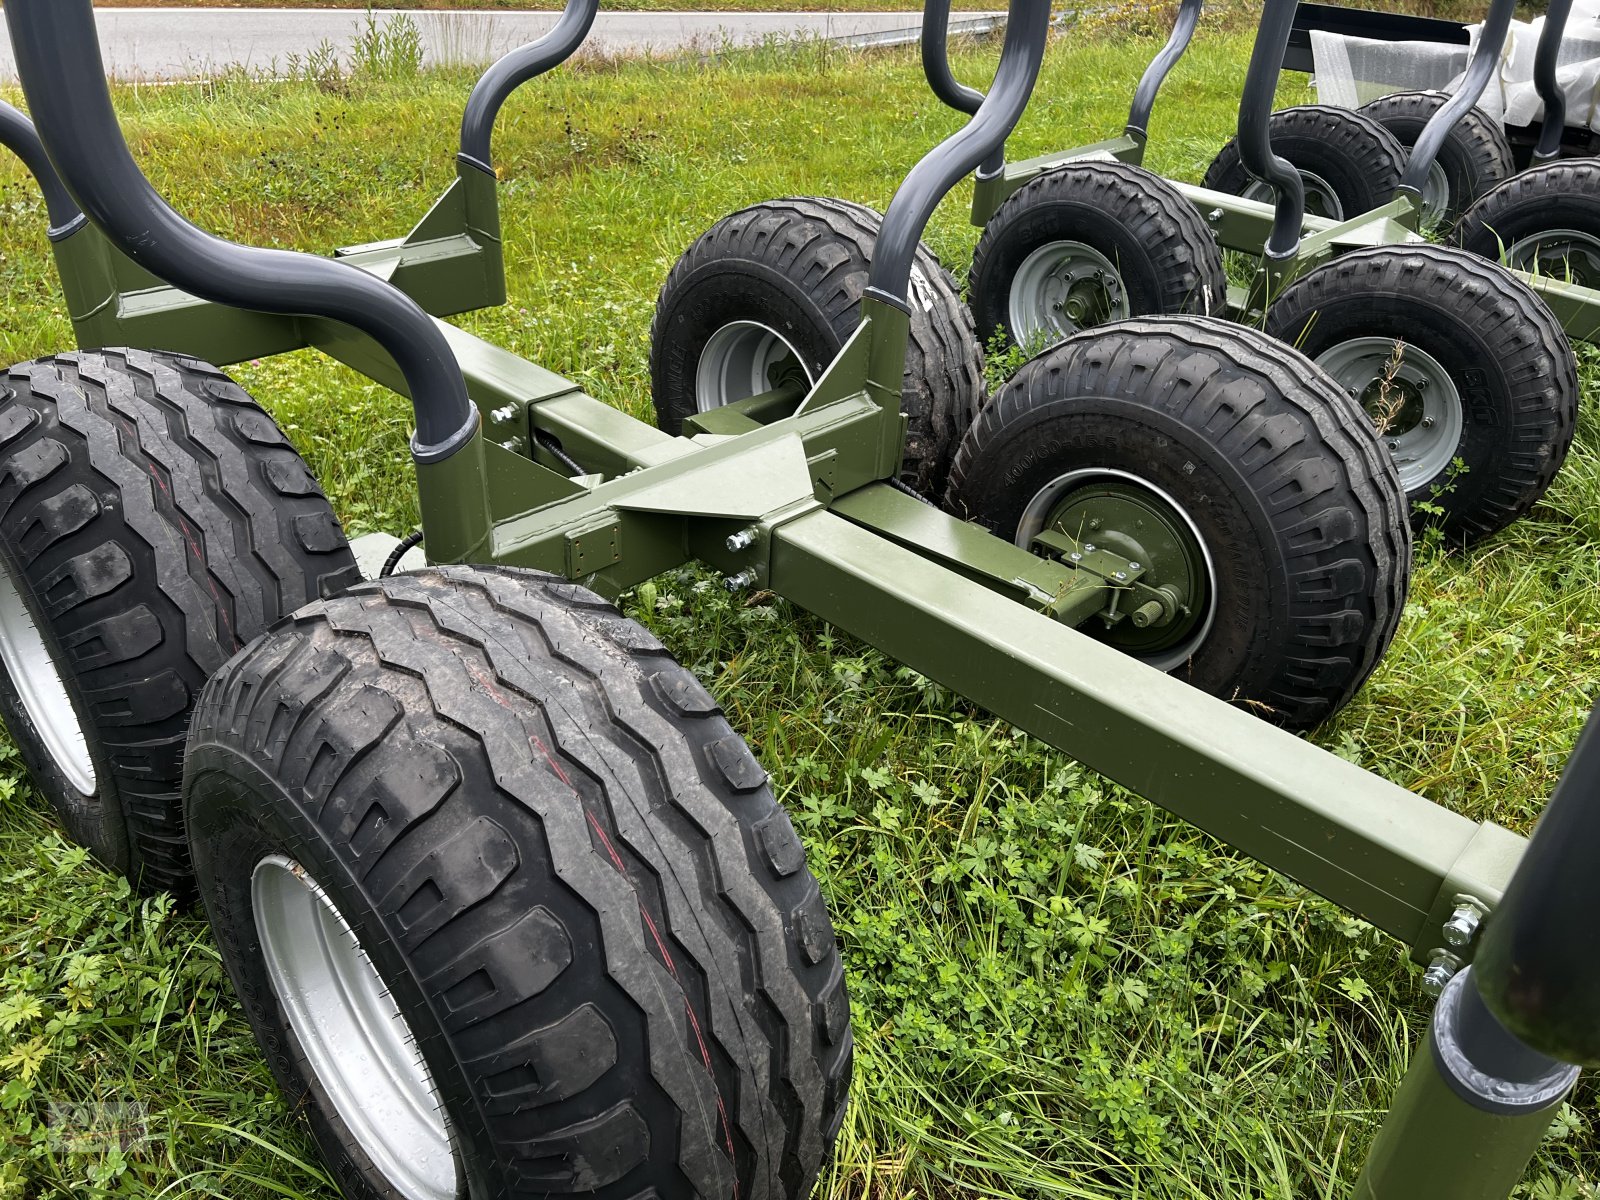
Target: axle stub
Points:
(1132, 436)
(1462, 367)
(504, 820)
(775, 290)
(153, 520)
(1089, 243)
(1348, 162)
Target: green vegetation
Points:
(1059, 992)
(557, 5)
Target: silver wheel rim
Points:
(1427, 418)
(1563, 254)
(1436, 194)
(1321, 199)
(351, 1031)
(1062, 288)
(735, 364)
(38, 684)
(1044, 502)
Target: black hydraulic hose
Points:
(1255, 128)
(1144, 96)
(514, 70)
(19, 136)
(936, 68)
(1485, 61)
(1545, 61)
(1027, 28)
(1538, 965)
(58, 60)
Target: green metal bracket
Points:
(991, 191)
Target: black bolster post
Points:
(1485, 61)
(18, 135)
(1545, 61)
(58, 59)
(1538, 965)
(1144, 96)
(1027, 29)
(1255, 129)
(936, 69)
(514, 70)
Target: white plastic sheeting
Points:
(1351, 71)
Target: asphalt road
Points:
(187, 43)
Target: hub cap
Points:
(1321, 199)
(1435, 195)
(1119, 512)
(737, 364)
(1563, 254)
(1061, 288)
(37, 680)
(1422, 409)
(352, 1032)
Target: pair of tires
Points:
(1462, 368)
(1244, 481)
(510, 908)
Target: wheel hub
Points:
(740, 360)
(1171, 610)
(1413, 402)
(38, 683)
(1563, 254)
(1062, 288)
(352, 1031)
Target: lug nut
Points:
(738, 583)
(742, 540)
(1462, 926)
(501, 415)
(1440, 972)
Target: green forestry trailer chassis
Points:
(385, 707)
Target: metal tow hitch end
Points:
(742, 540)
(738, 583)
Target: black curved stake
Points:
(1538, 966)
(1255, 129)
(19, 136)
(1545, 60)
(1027, 28)
(58, 59)
(1144, 96)
(936, 69)
(514, 70)
(1485, 61)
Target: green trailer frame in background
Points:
(791, 491)
(1250, 226)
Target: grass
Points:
(557, 5)
(1058, 991)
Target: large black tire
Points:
(564, 866)
(1546, 220)
(798, 267)
(153, 519)
(1286, 487)
(1164, 258)
(1474, 158)
(1510, 385)
(1351, 162)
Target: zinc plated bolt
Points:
(501, 415)
(1440, 972)
(1214, 215)
(742, 540)
(1119, 575)
(737, 583)
(1133, 566)
(516, 445)
(1088, 547)
(1462, 926)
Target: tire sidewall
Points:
(239, 816)
(1252, 624)
(92, 821)
(715, 295)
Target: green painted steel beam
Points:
(1378, 850)
(990, 192)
